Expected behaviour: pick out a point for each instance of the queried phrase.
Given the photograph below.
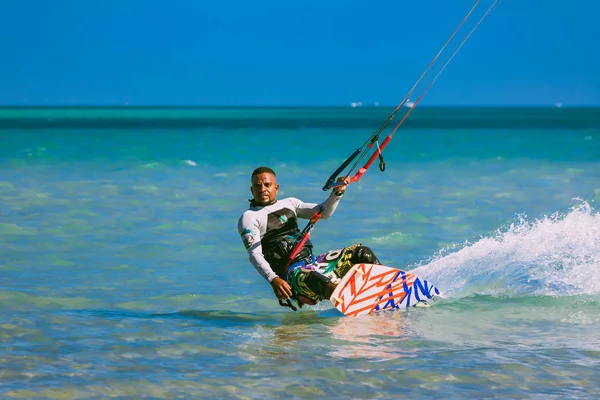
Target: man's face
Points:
(264, 188)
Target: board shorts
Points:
(333, 264)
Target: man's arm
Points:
(250, 234)
(307, 210)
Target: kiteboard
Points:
(369, 288)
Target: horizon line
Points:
(125, 106)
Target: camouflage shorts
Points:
(334, 264)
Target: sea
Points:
(122, 273)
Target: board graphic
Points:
(369, 288)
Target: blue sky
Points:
(303, 52)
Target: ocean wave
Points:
(557, 255)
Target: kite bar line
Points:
(375, 136)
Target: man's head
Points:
(264, 186)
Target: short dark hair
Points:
(262, 170)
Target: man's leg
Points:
(310, 286)
(320, 284)
(318, 280)
(351, 255)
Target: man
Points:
(269, 230)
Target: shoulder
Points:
(291, 201)
(249, 222)
(247, 216)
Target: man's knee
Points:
(364, 255)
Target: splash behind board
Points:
(369, 288)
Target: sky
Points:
(294, 52)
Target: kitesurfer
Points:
(269, 231)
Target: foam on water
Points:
(557, 255)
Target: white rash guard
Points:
(259, 220)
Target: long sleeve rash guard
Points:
(256, 221)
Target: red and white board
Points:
(369, 288)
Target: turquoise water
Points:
(122, 273)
